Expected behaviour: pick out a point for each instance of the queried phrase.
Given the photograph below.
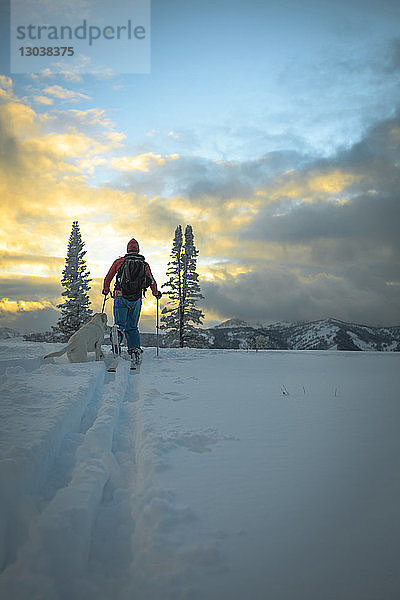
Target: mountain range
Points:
(324, 334)
(8, 332)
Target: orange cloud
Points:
(43, 100)
(142, 162)
(311, 186)
(64, 94)
(13, 306)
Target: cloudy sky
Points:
(271, 126)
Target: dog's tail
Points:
(59, 353)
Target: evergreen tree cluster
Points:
(180, 315)
(257, 342)
(179, 318)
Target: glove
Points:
(157, 295)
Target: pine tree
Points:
(75, 311)
(183, 291)
(257, 342)
(170, 318)
(191, 293)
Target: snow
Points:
(364, 346)
(273, 325)
(232, 323)
(211, 474)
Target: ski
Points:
(134, 356)
(135, 362)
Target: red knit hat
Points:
(132, 246)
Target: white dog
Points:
(88, 338)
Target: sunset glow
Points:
(282, 153)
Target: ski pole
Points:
(157, 326)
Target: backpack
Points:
(132, 278)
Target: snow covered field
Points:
(212, 474)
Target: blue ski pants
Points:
(126, 316)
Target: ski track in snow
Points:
(89, 505)
(76, 465)
(89, 509)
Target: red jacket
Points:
(113, 271)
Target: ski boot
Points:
(136, 357)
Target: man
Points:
(133, 276)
